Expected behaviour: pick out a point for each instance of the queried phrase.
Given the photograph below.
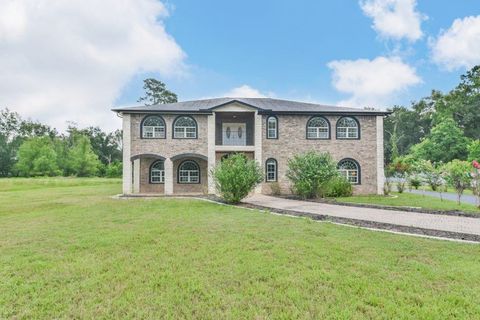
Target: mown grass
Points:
(69, 250)
(412, 200)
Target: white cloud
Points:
(372, 83)
(245, 91)
(394, 19)
(458, 46)
(68, 60)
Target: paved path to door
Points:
(439, 222)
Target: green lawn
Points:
(411, 200)
(68, 250)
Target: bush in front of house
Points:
(338, 186)
(236, 176)
(310, 172)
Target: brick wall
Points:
(292, 140)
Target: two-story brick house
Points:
(171, 148)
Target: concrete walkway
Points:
(463, 225)
(466, 198)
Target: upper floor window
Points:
(153, 127)
(184, 127)
(189, 172)
(318, 128)
(272, 127)
(350, 169)
(271, 170)
(157, 172)
(348, 128)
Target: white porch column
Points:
(127, 164)
(168, 176)
(136, 176)
(211, 152)
(380, 160)
(258, 145)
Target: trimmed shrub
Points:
(236, 176)
(308, 172)
(337, 187)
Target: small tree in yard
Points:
(236, 176)
(476, 180)
(433, 175)
(457, 173)
(309, 173)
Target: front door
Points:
(234, 134)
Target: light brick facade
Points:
(140, 153)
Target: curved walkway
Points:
(434, 222)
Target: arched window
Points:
(189, 172)
(318, 128)
(348, 128)
(153, 127)
(272, 127)
(350, 169)
(184, 127)
(157, 172)
(271, 170)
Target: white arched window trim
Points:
(157, 172)
(350, 169)
(347, 128)
(189, 172)
(272, 127)
(187, 129)
(153, 127)
(318, 128)
(271, 170)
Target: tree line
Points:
(30, 148)
(438, 128)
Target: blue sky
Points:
(74, 60)
(284, 47)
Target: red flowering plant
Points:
(476, 180)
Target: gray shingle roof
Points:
(264, 105)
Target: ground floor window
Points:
(189, 172)
(157, 172)
(350, 169)
(271, 170)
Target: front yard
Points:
(68, 250)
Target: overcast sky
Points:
(73, 60)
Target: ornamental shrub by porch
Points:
(310, 172)
(236, 176)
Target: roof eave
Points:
(353, 113)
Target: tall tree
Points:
(82, 161)
(445, 142)
(37, 157)
(107, 146)
(463, 104)
(156, 92)
(406, 127)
